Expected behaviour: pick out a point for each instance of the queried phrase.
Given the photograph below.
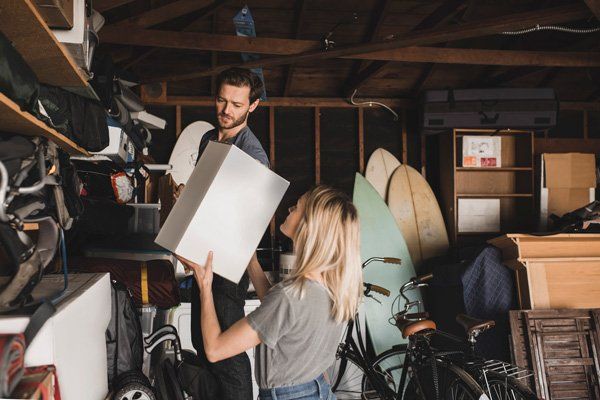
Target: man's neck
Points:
(226, 134)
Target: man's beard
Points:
(234, 123)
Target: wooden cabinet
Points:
(512, 183)
(557, 271)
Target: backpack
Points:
(124, 341)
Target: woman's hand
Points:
(203, 274)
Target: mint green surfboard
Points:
(381, 237)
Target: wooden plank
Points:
(177, 121)
(285, 102)
(165, 13)
(12, 119)
(441, 13)
(300, 11)
(567, 146)
(594, 5)
(405, 141)
(272, 155)
(483, 27)
(48, 58)
(586, 127)
(361, 141)
(106, 5)
(317, 145)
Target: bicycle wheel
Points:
(441, 380)
(502, 387)
(350, 382)
(389, 365)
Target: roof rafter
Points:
(300, 12)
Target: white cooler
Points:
(73, 339)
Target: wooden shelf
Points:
(493, 195)
(47, 57)
(494, 169)
(13, 120)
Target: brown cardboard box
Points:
(56, 13)
(568, 182)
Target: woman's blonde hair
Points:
(327, 240)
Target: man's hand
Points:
(203, 274)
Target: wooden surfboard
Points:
(380, 167)
(417, 213)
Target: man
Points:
(238, 94)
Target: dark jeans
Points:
(317, 389)
(233, 374)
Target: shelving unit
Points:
(24, 27)
(512, 183)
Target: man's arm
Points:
(257, 276)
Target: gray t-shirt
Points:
(299, 336)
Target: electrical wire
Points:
(371, 104)
(551, 28)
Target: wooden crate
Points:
(561, 347)
(558, 271)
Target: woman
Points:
(300, 321)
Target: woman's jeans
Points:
(317, 389)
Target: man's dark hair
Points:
(241, 77)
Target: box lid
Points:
(569, 170)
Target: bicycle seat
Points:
(474, 325)
(417, 326)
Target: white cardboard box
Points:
(225, 207)
(478, 215)
(150, 121)
(120, 149)
(73, 339)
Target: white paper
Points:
(478, 215)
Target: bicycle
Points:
(353, 367)
(436, 364)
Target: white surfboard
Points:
(418, 215)
(380, 167)
(185, 153)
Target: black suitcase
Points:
(497, 108)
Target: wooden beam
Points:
(127, 35)
(271, 136)
(580, 105)
(483, 27)
(106, 5)
(548, 78)
(333, 102)
(372, 32)
(436, 17)
(404, 139)
(361, 140)
(163, 14)
(443, 55)
(177, 121)
(317, 145)
(586, 124)
(289, 76)
(594, 5)
(567, 146)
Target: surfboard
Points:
(185, 153)
(417, 213)
(381, 237)
(380, 167)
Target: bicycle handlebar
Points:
(378, 289)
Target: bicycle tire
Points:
(502, 387)
(452, 383)
(350, 386)
(390, 364)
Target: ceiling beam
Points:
(165, 13)
(483, 27)
(106, 5)
(372, 32)
(300, 11)
(594, 5)
(441, 13)
(205, 12)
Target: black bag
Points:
(13, 149)
(17, 81)
(497, 108)
(196, 379)
(80, 119)
(104, 74)
(124, 341)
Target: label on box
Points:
(482, 151)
